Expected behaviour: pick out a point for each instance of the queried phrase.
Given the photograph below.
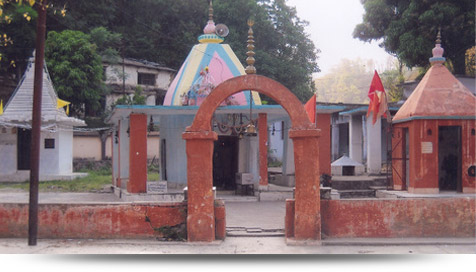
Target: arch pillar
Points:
(307, 217)
(200, 204)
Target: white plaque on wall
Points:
(426, 147)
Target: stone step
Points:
(236, 198)
(357, 184)
(253, 232)
(356, 193)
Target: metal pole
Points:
(36, 124)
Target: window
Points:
(49, 143)
(145, 79)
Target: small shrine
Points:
(434, 138)
(56, 149)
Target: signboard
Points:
(157, 187)
(426, 147)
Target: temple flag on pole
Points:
(61, 103)
(378, 99)
(310, 107)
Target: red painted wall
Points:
(137, 154)
(92, 220)
(424, 167)
(324, 124)
(431, 217)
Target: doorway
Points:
(225, 162)
(449, 158)
(23, 149)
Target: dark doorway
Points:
(225, 162)
(406, 158)
(163, 159)
(449, 158)
(23, 149)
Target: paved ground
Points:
(235, 245)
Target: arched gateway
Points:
(199, 148)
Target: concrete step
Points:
(275, 195)
(358, 184)
(253, 232)
(237, 198)
(356, 193)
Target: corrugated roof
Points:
(19, 108)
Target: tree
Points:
(17, 37)
(284, 51)
(76, 70)
(348, 82)
(408, 28)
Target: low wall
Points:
(167, 220)
(426, 217)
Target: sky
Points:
(331, 23)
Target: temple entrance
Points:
(225, 162)
(23, 148)
(303, 215)
(449, 158)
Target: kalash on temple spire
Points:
(208, 64)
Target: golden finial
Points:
(250, 60)
(210, 10)
(438, 37)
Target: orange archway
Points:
(199, 148)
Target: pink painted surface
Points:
(220, 72)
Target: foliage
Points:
(76, 70)
(347, 82)
(392, 81)
(16, 34)
(136, 99)
(408, 28)
(284, 51)
(470, 61)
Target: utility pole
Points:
(36, 124)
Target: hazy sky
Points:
(331, 23)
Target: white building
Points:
(56, 148)
(125, 76)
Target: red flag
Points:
(378, 99)
(311, 109)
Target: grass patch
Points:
(95, 181)
(153, 176)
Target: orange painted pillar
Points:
(324, 124)
(137, 154)
(263, 149)
(201, 211)
(307, 220)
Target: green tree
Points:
(408, 28)
(76, 70)
(17, 37)
(284, 51)
(347, 82)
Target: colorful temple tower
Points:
(208, 64)
(434, 138)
